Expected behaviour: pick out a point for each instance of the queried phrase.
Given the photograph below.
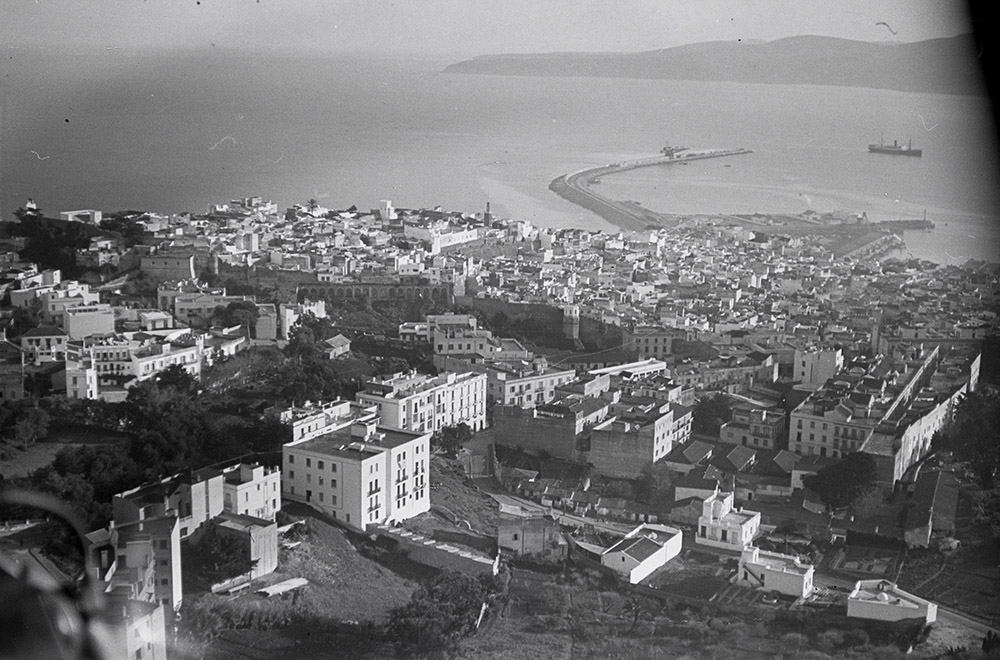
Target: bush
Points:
(829, 640)
(794, 641)
(855, 637)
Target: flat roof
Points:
(779, 562)
(341, 443)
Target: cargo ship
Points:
(895, 149)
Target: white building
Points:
(815, 367)
(420, 403)
(360, 473)
(722, 526)
(87, 216)
(87, 320)
(881, 600)
(773, 571)
(81, 379)
(513, 382)
(642, 551)
(44, 344)
(252, 490)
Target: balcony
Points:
(374, 490)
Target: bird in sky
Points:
(887, 27)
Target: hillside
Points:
(946, 66)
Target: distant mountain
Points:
(946, 66)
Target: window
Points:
(308, 462)
(319, 465)
(164, 581)
(333, 467)
(291, 458)
(291, 474)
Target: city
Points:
(273, 421)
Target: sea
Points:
(165, 132)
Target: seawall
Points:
(575, 188)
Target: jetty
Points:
(575, 187)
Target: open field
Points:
(456, 503)
(20, 462)
(581, 615)
(346, 589)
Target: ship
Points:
(895, 149)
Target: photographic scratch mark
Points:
(39, 156)
(228, 137)
(279, 157)
(239, 117)
(887, 27)
(925, 124)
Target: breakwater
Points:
(575, 188)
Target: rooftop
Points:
(342, 443)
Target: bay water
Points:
(175, 132)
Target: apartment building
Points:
(359, 472)
(887, 406)
(139, 559)
(44, 344)
(752, 426)
(421, 403)
(637, 436)
(252, 490)
(513, 382)
(195, 497)
(650, 341)
(83, 321)
(813, 367)
(81, 378)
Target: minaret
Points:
(488, 216)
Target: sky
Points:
(461, 27)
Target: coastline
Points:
(628, 215)
(853, 234)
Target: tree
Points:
(302, 342)
(868, 504)
(440, 614)
(656, 483)
(838, 485)
(125, 225)
(710, 413)
(25, 318)
(176, 377)
(987, 513)
(243, 313)
(451, 438)
(218, 556)
(32, 424)
(23, 214)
